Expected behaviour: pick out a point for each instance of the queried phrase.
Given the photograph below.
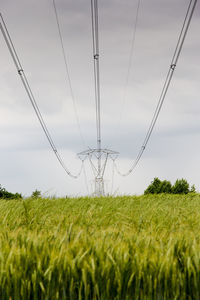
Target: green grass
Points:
(144, 247)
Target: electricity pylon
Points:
(98, 159)
(100, 155)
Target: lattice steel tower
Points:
(100, 155)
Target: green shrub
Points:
(181, 186)
(36, 194)
(165, 187)
(7, 195)
(157, 186)
(193, 189)
(154, 187)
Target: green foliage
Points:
(181, 186)
(193, 189)
(157, 186)
(36, 194)
(108, 248)
(165, 187)
(154, 187)
(7, 195)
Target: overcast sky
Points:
(26, 160)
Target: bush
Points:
(36, 194)
(7, 195)
(165, 187)
(154, 187)
(193, 189)
(181, 186)
(157, 186)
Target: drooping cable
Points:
(130, 60)
(95, 39)
(31, 97)
(168, 79)
(112, 179)
(68, 79)
(85, 177)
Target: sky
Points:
(26, 160)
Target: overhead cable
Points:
(95, 39)
(169, 76)
(130, 59)
(31, 97)
(68, 79)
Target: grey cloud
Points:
(32, 26)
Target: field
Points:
(145, 247)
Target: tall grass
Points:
(144, 247)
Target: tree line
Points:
(157, 186)
(181, 186)
(7, 195)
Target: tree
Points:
(165, 187)
(7, 195)
(157, 186)
(154, 187)
(193, 189)
(181, 186)
(36, 194)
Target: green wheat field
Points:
(141, 247)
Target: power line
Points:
(68, 79)
(95, 39)
(31, 97)
(100, 154)
(130, 61)
(169, 76)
